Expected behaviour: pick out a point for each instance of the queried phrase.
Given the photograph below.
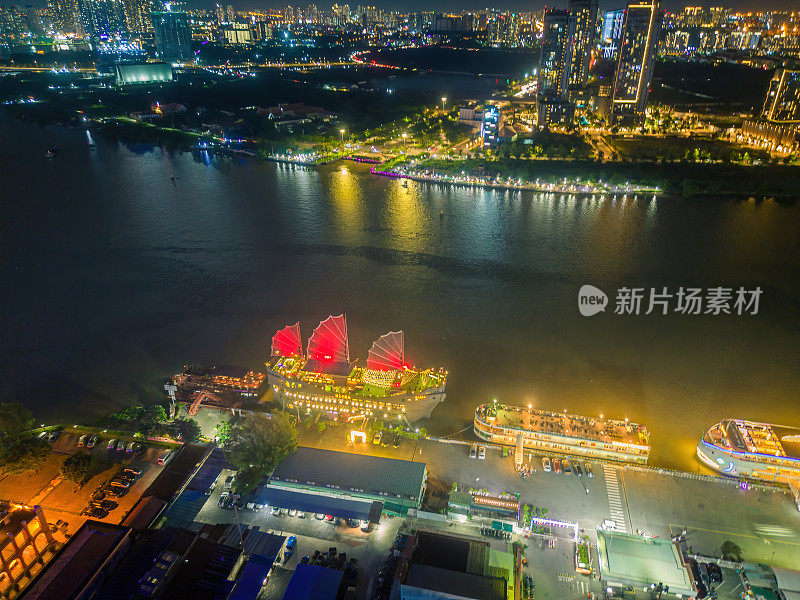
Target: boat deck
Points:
(564, 424)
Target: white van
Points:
(166, 457)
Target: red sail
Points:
(328, 343)
(387, 353)
(286, 342)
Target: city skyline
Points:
(511, 5)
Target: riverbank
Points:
(685, 179)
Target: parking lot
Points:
(312, 534)
(64, 501)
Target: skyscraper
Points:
(581, 33)
(636, 60)
(782, 104)
(102, 18)
(173, 34)
(552, 75)
(552, 105)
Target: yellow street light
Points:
(444, 99)
(341, 133)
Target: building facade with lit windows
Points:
(26, 545)
(581, 31)
(637, 55)
(562, 433)
(324, 379)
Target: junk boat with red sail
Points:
(325, 380)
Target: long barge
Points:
(562, 433)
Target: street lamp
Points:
(405, 135)
(444, 99)
(341, 134)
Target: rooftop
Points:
(352, 472)
(78, 561)
(313, 582)
(455, 583)
(626, 558)
(564, 424)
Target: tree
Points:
(78, 467)
(14, 417)
(186, 430)
(23, 454)
(731, 551)
(257, 444)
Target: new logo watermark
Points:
(684, 300)
(591, 300)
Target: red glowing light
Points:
(329, 342)
(286, 342)
(388, 352)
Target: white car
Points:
(546, 464)
(292, 512)
(301, 514)
(274, 511)
(82, 441)
(481, 452)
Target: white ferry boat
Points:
(562, 433)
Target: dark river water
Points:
(113, 276)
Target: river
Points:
(114, 275)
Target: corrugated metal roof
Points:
(353, 472)
(344, 508)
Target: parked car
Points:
(329, 518)
(82, 441)
(301, 514)
(481, 452)
(275, 511)
(129, 448)
(578, 470)
(556, 465)
(291, 543)
(92, 441)
(121, 446)
(229, 482)
(97, 512)
(112, 443)
(223, 499)
(546, 464)
(319, 516)
(353, 523)
(589, 471)
(43, 435)
(473, 450)
(135, 471)
(283, 512)
(120, 482)
(566, 467)
(115, 490)
(376, 439)
(395, 441)
(54, 435)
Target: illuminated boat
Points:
(562, 433)
(324, 380)
(753, 450)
